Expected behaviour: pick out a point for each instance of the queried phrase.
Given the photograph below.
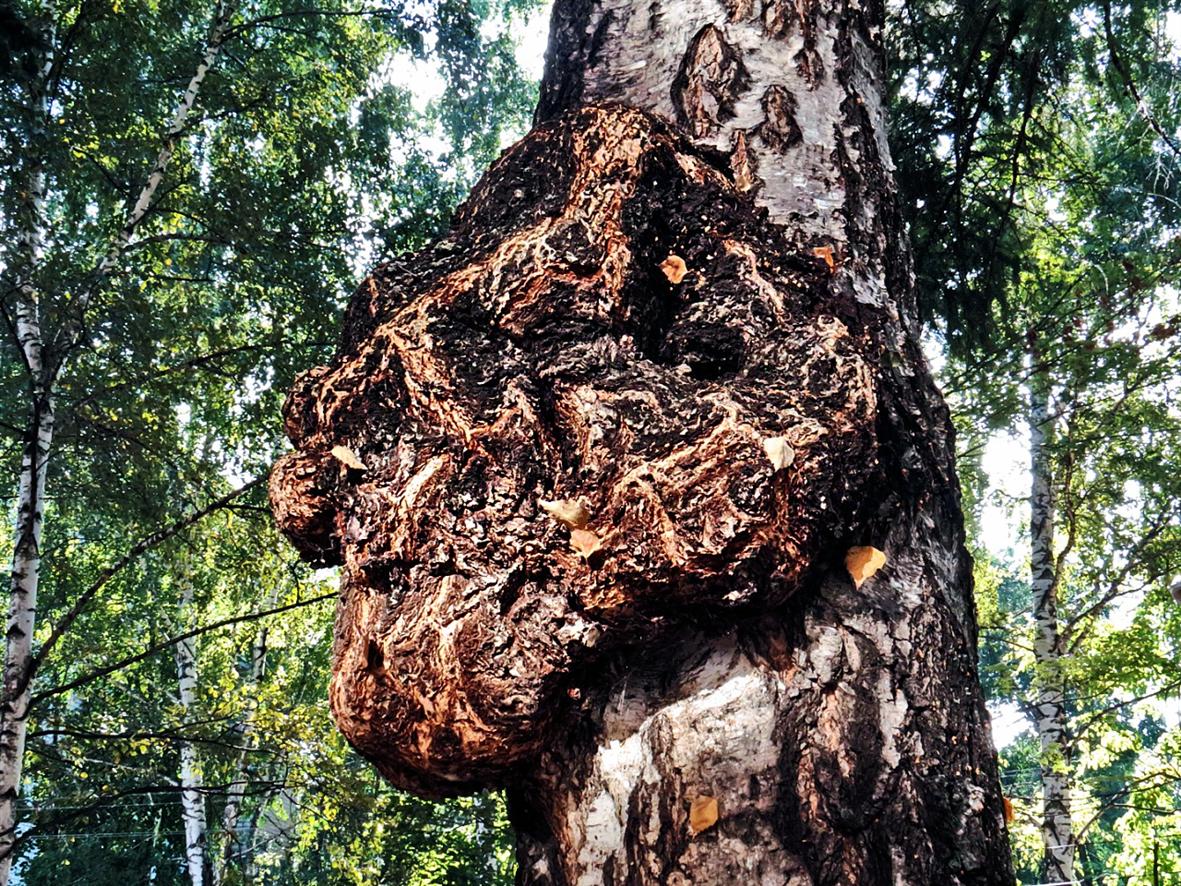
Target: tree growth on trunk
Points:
(603, 467)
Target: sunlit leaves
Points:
(304, 162)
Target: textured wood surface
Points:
(541, 354)
(604, 453)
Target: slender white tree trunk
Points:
(232, 847)
(1057, 830)
(192, 795)
(45, 361)
(26, 560)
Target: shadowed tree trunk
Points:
(600, 467)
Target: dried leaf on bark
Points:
(570, 512)
(348, 458)
(585, 542)
(674, 268)
(862, 562)
(703, 814)
(825, 253)
(780, 452)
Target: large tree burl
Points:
(610, 325)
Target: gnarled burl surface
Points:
(610, 328)
(593, 461)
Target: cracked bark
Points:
(680, 314)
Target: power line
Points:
(109, 806)
(90, 835)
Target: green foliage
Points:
(308, 159)
(1037, 152)
(1014, 119)
(1041, 180)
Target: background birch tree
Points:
(1045, 215)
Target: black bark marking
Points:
(779, 129)
(779, 19)
(710, 80)
(744, 165)
(739, 10)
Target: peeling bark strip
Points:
(612, 441)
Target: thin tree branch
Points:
(172, 641)
(144, 545)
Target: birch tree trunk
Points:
(46, 354)
(192, 794)
(233, 846)
(1058, 840)
(845, 738)
(603, 465)
(30, 503)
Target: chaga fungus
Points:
(533, 479)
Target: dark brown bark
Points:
(592, 464)
(539, 354)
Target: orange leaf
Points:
(825, 252)
(348, 458)
(584, 542)
(863, 562)
(674, 268)
(568, 511)
(703, 814)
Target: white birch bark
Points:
(192, 795)
(1058, 839)
(26, 560)
(231, 815)
(855, 696)
(44, 366)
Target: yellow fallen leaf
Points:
(863, 562)
(584, 542)
(568, 511)
(703, 814)
(348, 458)
(674, 268)
(779, 451)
